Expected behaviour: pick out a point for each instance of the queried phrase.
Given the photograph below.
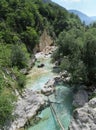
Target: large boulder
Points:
(62, 77)
(41, 65)
(80, 98)
(48, 89)
(84, 118)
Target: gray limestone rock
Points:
(26, 107)
(80, 98)
(84, 118)
(48, 89)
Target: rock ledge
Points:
(84, 118)
(27, 107)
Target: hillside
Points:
(93, 18)
(22, 23)
(84, 18)
(19, 34)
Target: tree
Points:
(18, 57)
(30, 38)
(89, 57)
(70, 45)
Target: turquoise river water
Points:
(62, 98)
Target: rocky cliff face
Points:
(84, 118)
(45, 40)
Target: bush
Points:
(5, 51)
(6, 107)
(21, 78)
(30, 38)
(18, 57)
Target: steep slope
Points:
(83, 17)
(21, 25)
(93, 18)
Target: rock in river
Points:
(40, 66)
(80, 98)
(48, 89)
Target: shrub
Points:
(6, 107)
(18, 57)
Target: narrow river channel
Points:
(62, 98)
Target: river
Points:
(62, 98)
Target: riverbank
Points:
(59, 95)
(84, 114)
(41, 82)
(32, 109)
(84, 118)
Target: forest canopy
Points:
(21, 25)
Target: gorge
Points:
(47, 68)
(43, 85)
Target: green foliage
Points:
(30, 38)
(93, 95)
(5, 51)
(56, 55)
(77, 49)
(21, 24)
(21, 79)
(2, 81)
(30, 19)
(18, 57)
(6, 107)
(6, 99)
(89, 56)
(69, 44)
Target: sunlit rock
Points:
(26, 107)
